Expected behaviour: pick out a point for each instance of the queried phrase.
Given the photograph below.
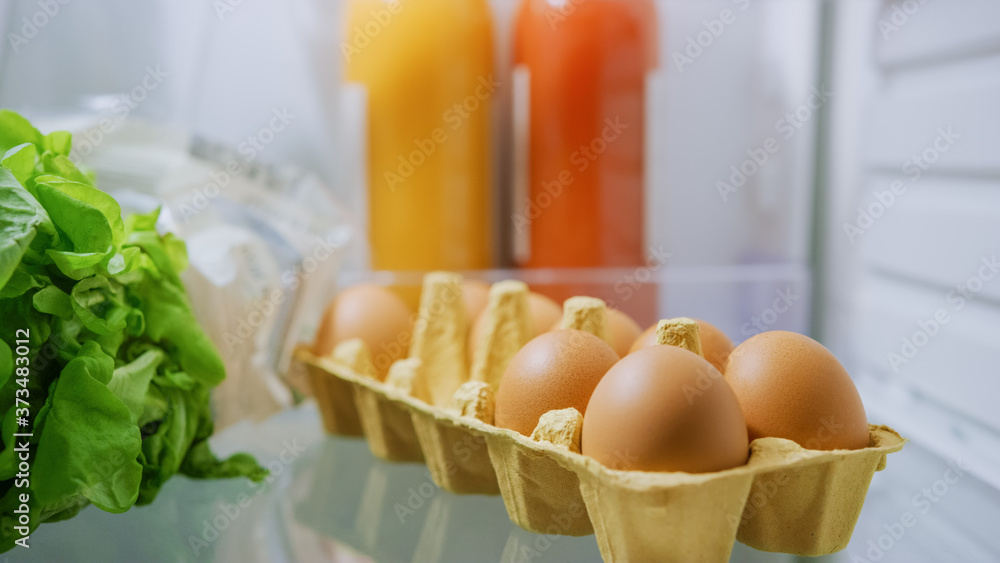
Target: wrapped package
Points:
(264, 242)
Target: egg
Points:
(556, 370)
(715, 345)
(545, 314)
(663, 408)
(646, 339)
(792, 387)
(376, 315)
(624, 331)
(475, 295)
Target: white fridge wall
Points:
(908, 75)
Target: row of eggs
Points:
(645, 406)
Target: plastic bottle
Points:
(580, 96)
(584, 64)
(427, 68)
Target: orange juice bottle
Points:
(579, 97)
(427, 68)
(583, 66)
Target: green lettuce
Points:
(121, 373)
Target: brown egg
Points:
(556, 370)
(664, 408)
(715, 345)
(374, 314)
(545, 314)
(476, 295)
(624, 331)
(646, 339)
(791, 387)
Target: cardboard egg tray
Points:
(784, 499)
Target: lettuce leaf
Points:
(21, 161)
(88, 447)
(22, 218)
(121, 373)
(16, 130)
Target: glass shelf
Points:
(328, 499)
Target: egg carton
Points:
(335, 397)
(784, 499)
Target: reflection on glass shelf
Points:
(328, 499)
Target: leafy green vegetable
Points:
(22, 218)
(16, 130)
(131, 381)
(21, 161)
(54, 301)
(97, 458)
(121, 374)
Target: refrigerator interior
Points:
(874, 226)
